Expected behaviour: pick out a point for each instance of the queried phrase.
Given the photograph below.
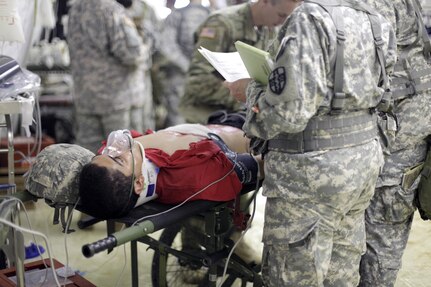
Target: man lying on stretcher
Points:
(188, 161)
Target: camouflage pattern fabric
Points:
(314, 231)
(107, 57)
(54, 175)
(204, 93)
(93, 129)
(147, 114)
(390, 214)
(314, 217)
(173, 89)
(178, 44)
(148, 25)
(388, 222)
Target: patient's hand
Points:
(238, 88)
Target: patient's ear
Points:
(139, 184)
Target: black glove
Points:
(245, 166)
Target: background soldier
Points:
(390, 214)
(106, 63)
(177, 48)
(251, 23)
(148, 25)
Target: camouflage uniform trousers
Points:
(172, 92)
(314, 230)
(148, 117)
(91, 130)
(389, 219)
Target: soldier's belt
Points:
(330, 132)
(402, 87)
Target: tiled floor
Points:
(114, 269)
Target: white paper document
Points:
(229, 65)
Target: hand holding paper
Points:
(229, 65)
(237, 88)
(248, 62)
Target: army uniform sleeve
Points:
(204, 83)
(297, 84)
(125, 43)
(170, 47)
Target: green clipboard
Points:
(257, 62)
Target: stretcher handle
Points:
(118, 238)
(104, 244)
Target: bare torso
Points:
(171, 141)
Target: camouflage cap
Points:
(54, 175)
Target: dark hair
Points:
(105, 193)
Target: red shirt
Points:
(186, 172)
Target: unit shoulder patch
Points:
(277, 80)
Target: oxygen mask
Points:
(118, 143)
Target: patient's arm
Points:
(233, 137)
(246, 166)
(236, 141)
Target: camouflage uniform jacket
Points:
(411, 71)
(148, 25)
(301, 85)
(177, 38)
(219, 33)
(305, 56)
(105, 51)
(412, 108)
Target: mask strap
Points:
(143, 166)
(131, 141)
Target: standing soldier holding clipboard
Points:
(317, 124)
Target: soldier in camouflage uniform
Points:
(390, 214)
(322, 155)
(251, 23)
(177, 47)
(106, 62)
(148, 25)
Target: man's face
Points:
(122, 163)
(275, 15)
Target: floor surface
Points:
(114, 269)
